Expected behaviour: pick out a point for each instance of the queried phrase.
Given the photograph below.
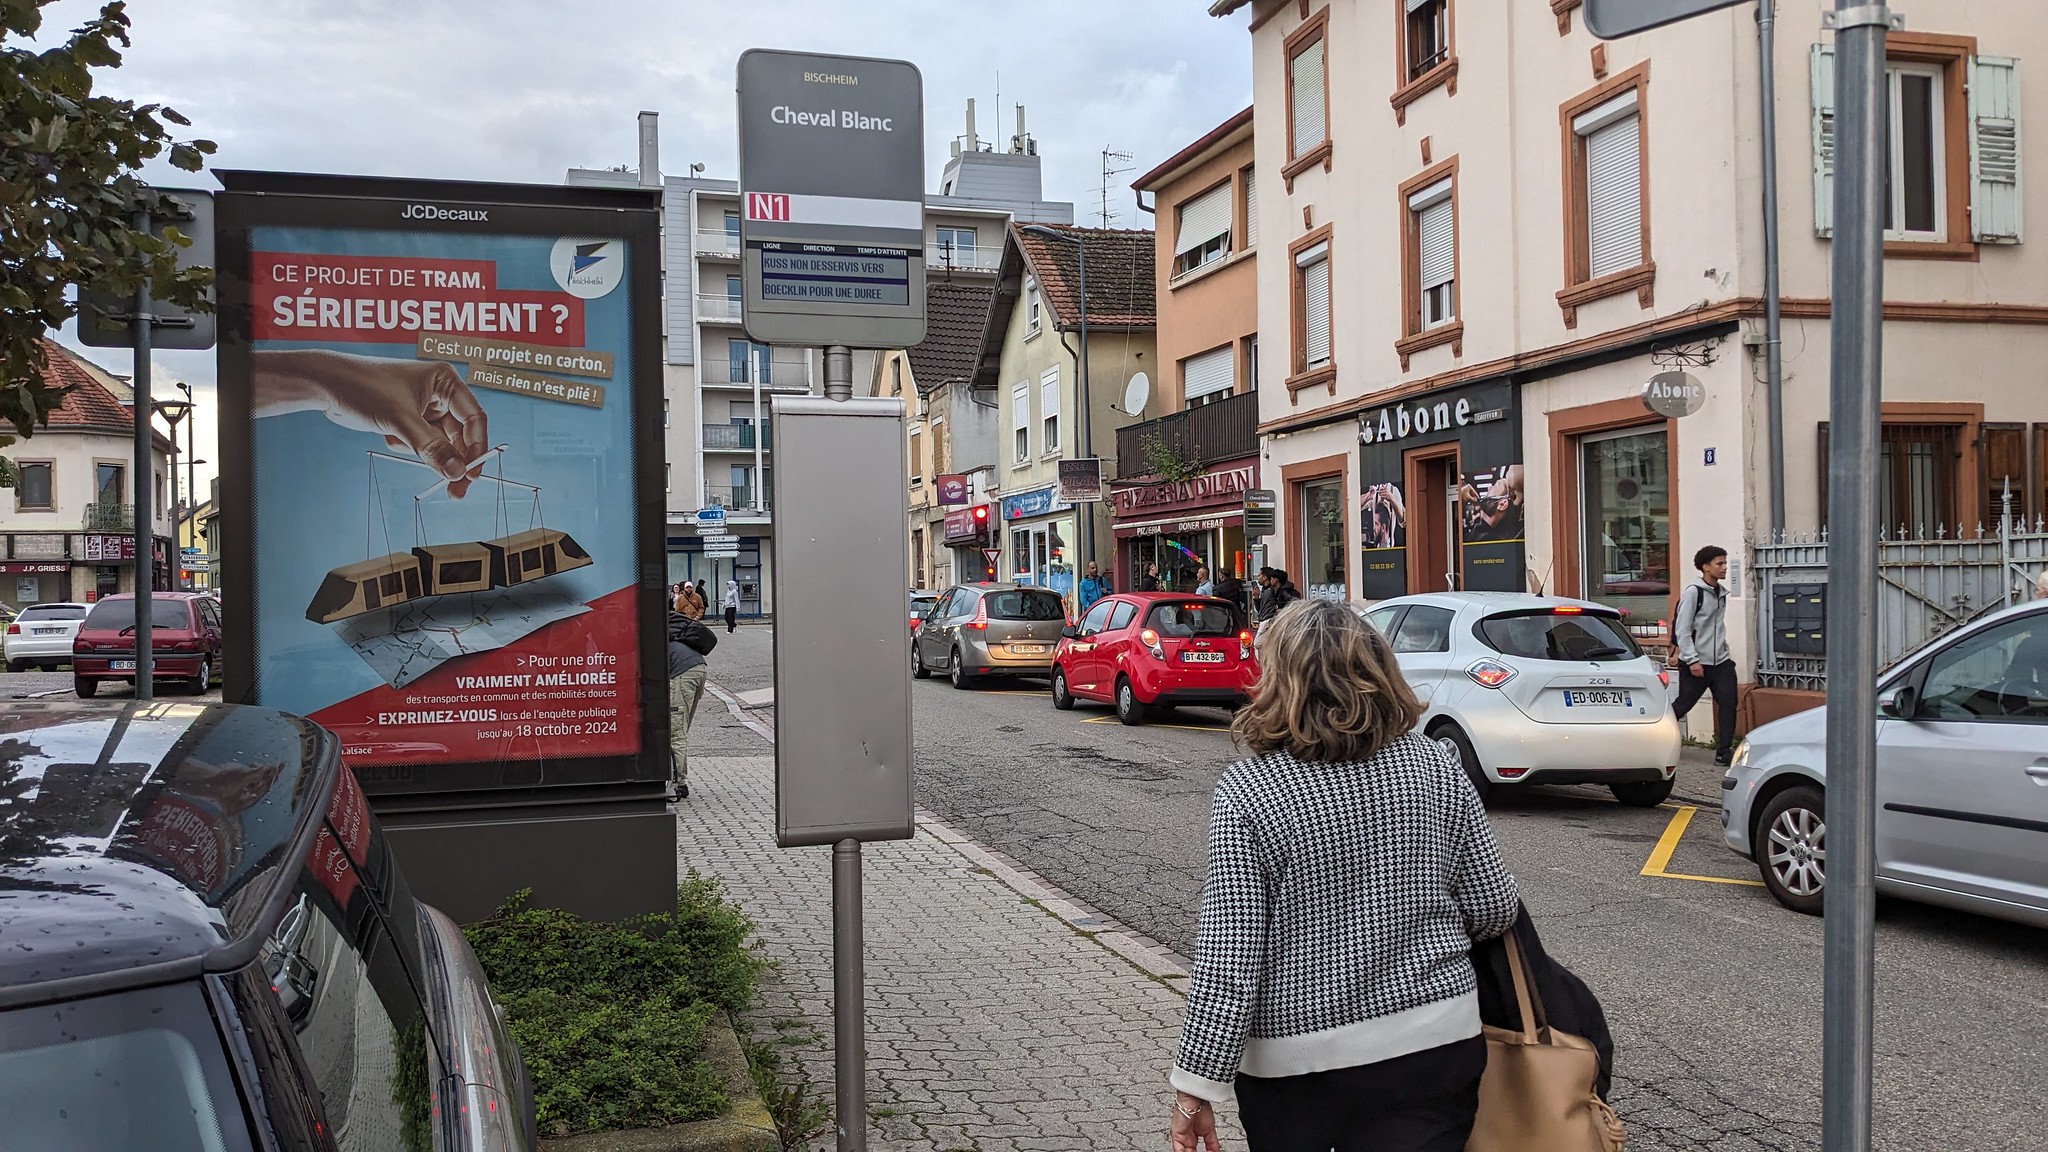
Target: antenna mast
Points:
(1110, 157)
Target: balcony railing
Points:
(717, 242)
(1224, 430)
(736, 438)
(110, 517)
(962, 258)
(794, 372)
(718, 309)
(737, 498)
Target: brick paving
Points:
(1002, 1015)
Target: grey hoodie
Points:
(1701, 629)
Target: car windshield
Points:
(1194, 618)
(1025, 604)
(1559, 636)
(137, 1069)
(117, 615)
(54, 612)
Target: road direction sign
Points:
(710, 514)
(1613, 19)
(832, 199)
(722, 547)
(175, 327)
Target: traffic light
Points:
(981, 516)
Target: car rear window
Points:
(1559, 636)
(54, 612)
(1025, 605)
(114, 615)
(1194, 618)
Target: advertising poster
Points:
(441, 449)
(1483, 421)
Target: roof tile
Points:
(1120, 265)
(954, 317)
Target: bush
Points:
(610, 1017)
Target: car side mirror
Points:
(1070, 632)
(1900, 703)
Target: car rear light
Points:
(1490, 673)
(14, 629)
(1512, 773)
(1664, 677)
(1244, 645)
(1566, 610)
(1150, 640)
(980, 621)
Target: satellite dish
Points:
(1136, 394)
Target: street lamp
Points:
(173, 411)
(1087, 550)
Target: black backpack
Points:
(691, 634)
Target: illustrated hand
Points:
(422, 406)
(1192, 1134)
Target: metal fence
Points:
(1928, 584)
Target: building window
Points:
(1251, 364)
(732, 288)
(1251, 207)
(1919, 468)
(34, 492)
(109, 483)
(732, 226)
(916, 456)
(955, 244)
(1031, 306)
(1312, 307)
(1914, 207)
(917, 557)
(668, 477)
(1209, 377)
(1625, 519)
(1049, 410)
(1606, 166)
(1204, 230)
(1308, 104)
(1433, 247)
(1322, 539)
(1426, 35)
(1020, 423)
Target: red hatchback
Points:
(1146, 650)
(184, 641)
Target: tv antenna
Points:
(1111, 158)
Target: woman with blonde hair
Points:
(1351, 868)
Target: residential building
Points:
(67, 527)
(1053, 406)
(195, 557)
(1181, 478)
(1487, 231)
(952, 435)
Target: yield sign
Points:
(991, 555)
(1613, 19)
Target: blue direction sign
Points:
(712, 513)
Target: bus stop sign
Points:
(1613, 19)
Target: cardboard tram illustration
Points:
(446, 569)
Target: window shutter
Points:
(1315, 303)
(1215, 371)
(1204, 218)
(1614, 197)
(1049, 393)
(1436, 244)
(1251, 209)
(1020, 407)
(1308, 98)
(1995, 150)
(1823, 62)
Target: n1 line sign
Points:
(1613, 19)
(832, 213)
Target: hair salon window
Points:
(1322, 540)
(1625, 502)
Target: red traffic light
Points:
(981, 513)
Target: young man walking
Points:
(732, 606)
(1701, 633)
(1093, 586)
(688, 643)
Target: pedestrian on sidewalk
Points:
(1203, 585)
(1094, 586)
(1351, 868)
(1149, 582)
(1701, 634)
(732, 606)
(689, 601)
(1230, 588)
(689, 642)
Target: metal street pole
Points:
(849, 932)
(1774, 366)
(1856, 358)
(145, 524)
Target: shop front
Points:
(1182, 526)
(1038, 540)
(26, 582)
(1442, 502)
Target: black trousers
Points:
(1720, 679)
(1422, 1102)
(732, 620)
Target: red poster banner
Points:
(391, 299)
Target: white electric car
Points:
(1523, 689)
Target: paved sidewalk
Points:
(1001, 1014)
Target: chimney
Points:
(972, 142)
(650, 150)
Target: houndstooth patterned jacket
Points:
(1337, 917)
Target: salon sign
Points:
(1400, 421)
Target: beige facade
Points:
(1506, 207)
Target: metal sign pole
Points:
(849, 932)
(144, 524)
(1856, 357)
(1774, 367)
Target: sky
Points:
(523, 90)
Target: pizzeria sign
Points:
(1226, 485)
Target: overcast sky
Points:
(523, 90)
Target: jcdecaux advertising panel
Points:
(432, 398)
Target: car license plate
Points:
(1201, 657)
(49, 631)
(129, 665)
(1581, 698)
(1027, 649)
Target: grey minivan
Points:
(1962, 779)
(977, 630)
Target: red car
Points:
(1146, 650)
(184, 641)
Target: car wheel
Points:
(17, 666)
(1451, 740)
(1062, 699)
(1792, 849)
(198, 685)
(958, 672)
(86, 689)
(917, 668)
(1128, 708)
(1642, 793)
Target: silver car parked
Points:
(1962, 779)
(977, 630)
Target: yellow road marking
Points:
(1660, 856)
(1111, 719)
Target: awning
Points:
(1181, 524)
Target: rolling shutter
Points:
(1436, 233)
(1307, 71)
(1213, 371)
(1823, 63)
(1614, 186)
(1315, 305)
(1251, 209)
(1995, 150)
(1203, 219)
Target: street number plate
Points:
(1578, 698)
(1201, 657)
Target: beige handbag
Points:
(1537, 1094)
